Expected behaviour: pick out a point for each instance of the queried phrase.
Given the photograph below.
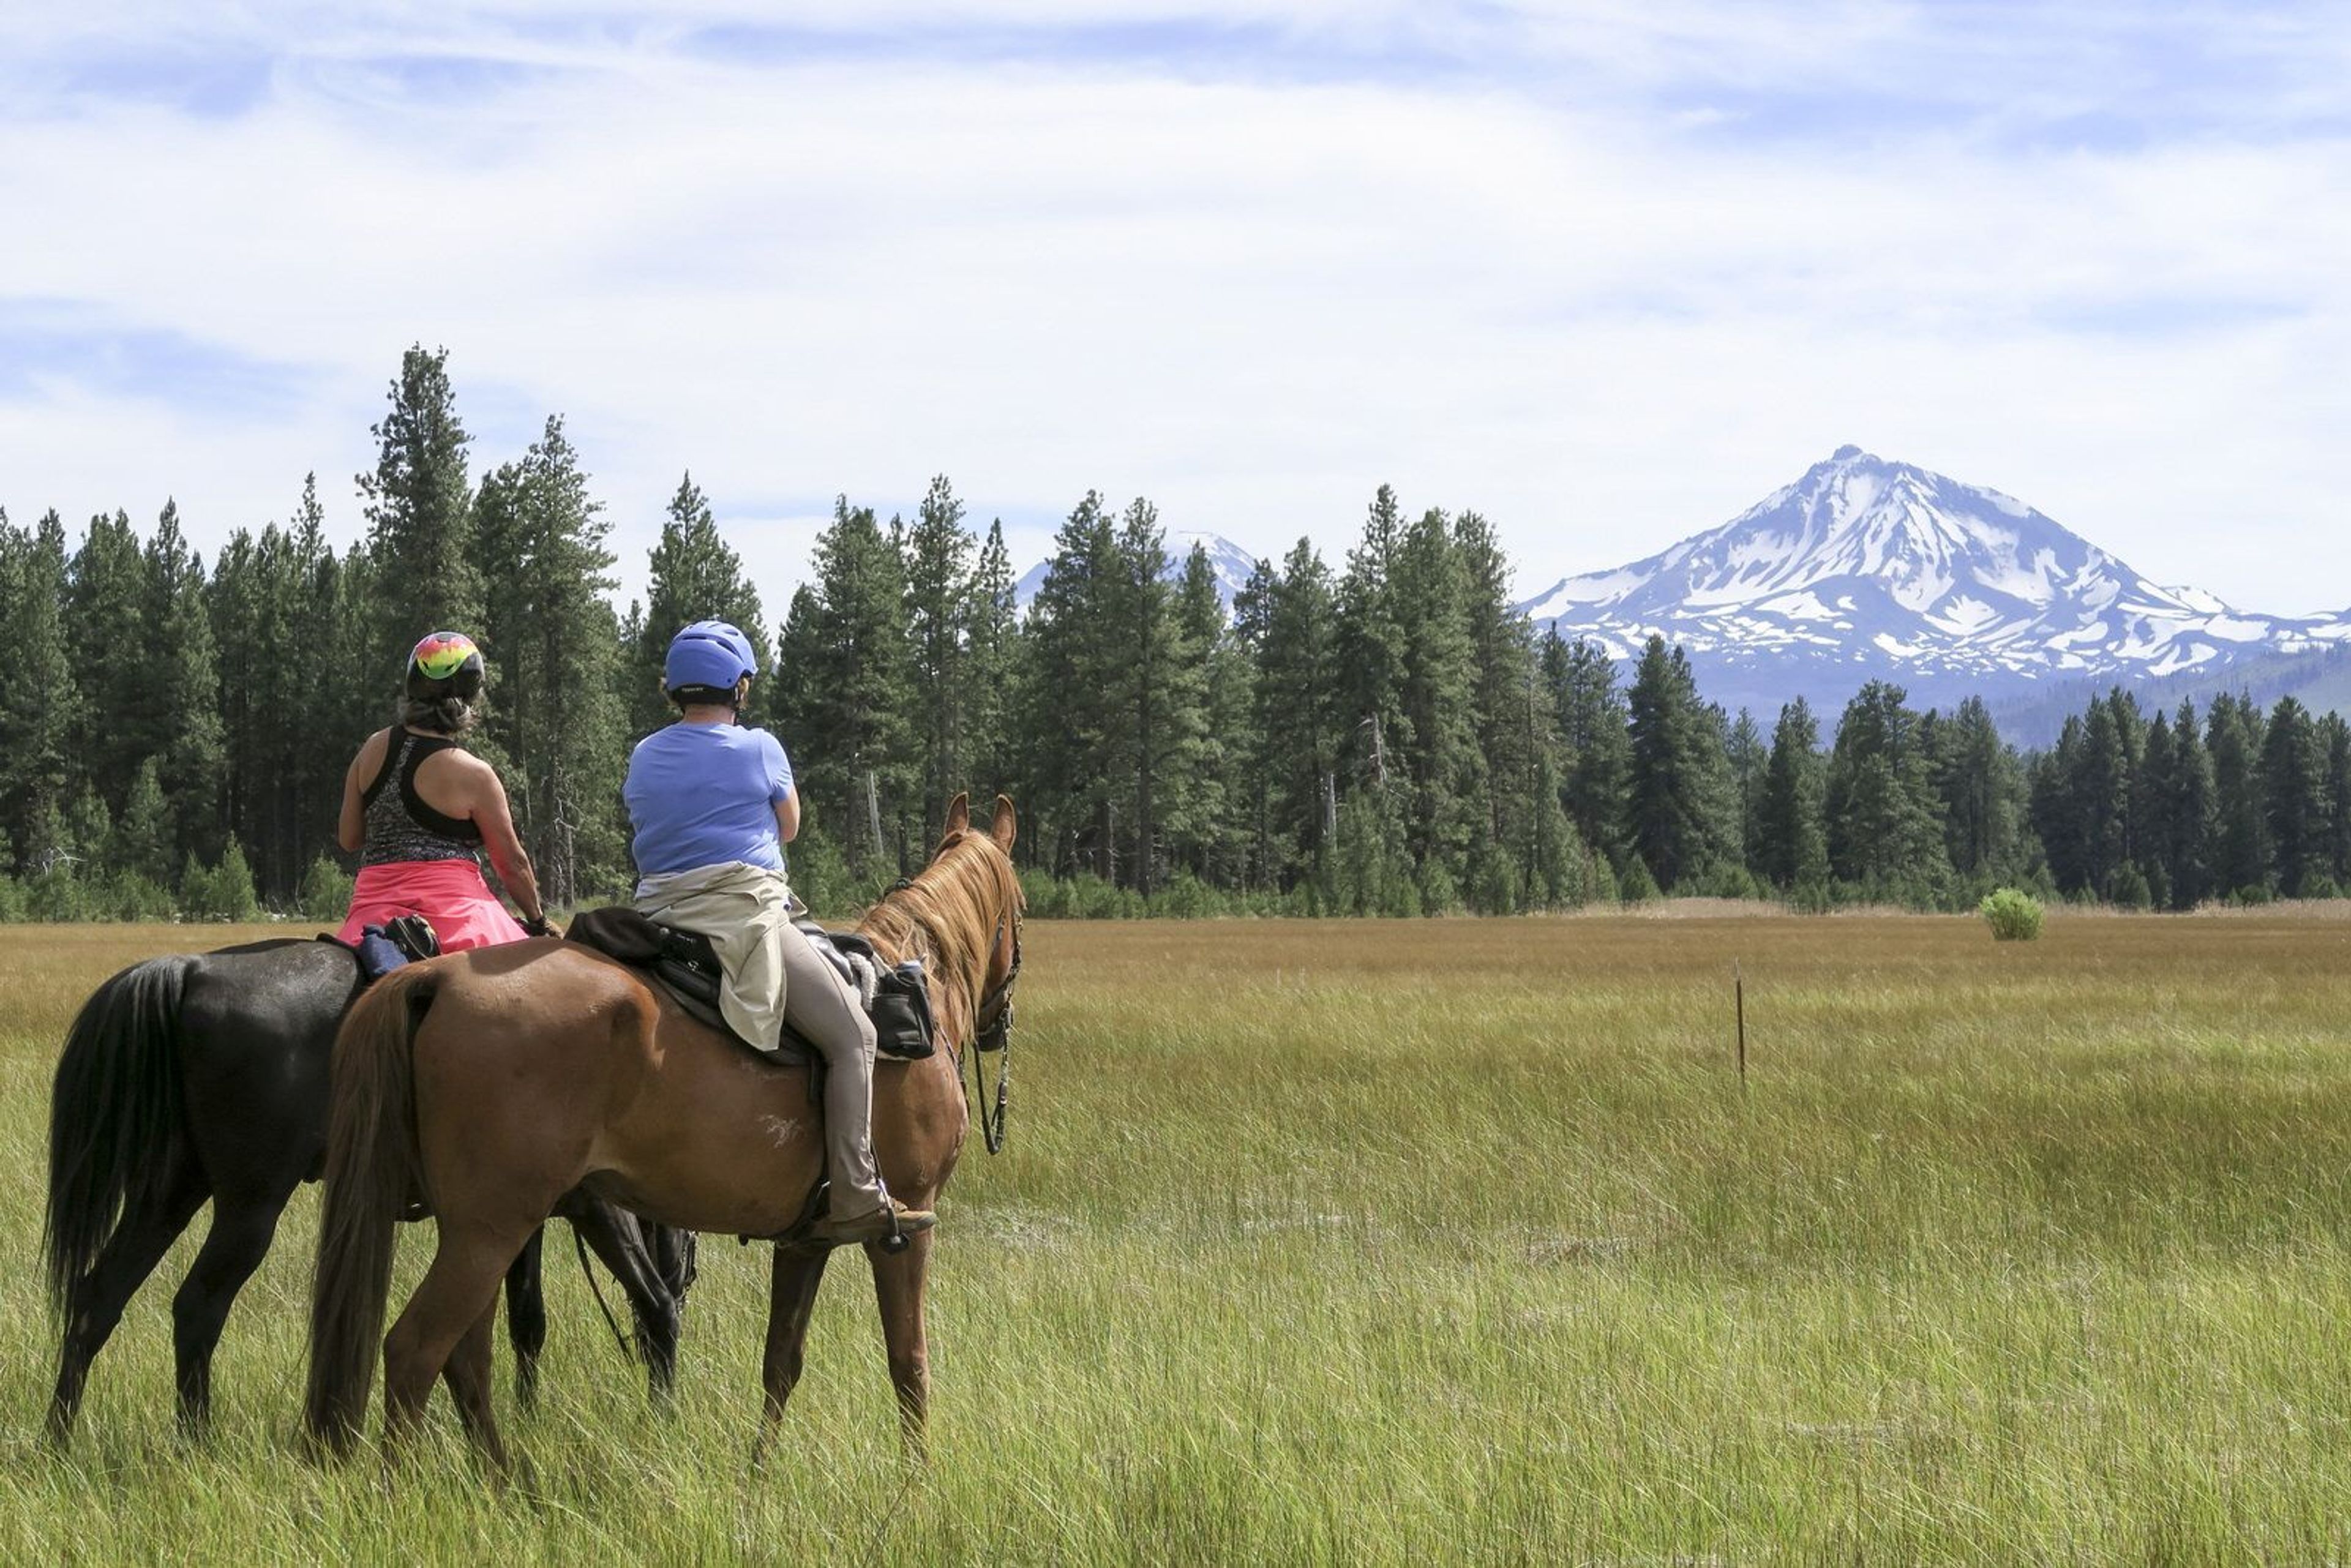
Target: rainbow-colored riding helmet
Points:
(446, 663)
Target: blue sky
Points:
(1606, 271)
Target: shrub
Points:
(1439, 893)
(2013, 914)
(1723, 879)
(134, 897)
(220, 891)
(326, 891)
(58, 894)
(2128, 887)
(1186, 897)
(1636, 885)
(1810, 897)
(12, 900)
(1047, 897)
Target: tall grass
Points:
(1422, 1241)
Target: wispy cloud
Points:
(1605, 271)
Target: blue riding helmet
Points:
(709, 654)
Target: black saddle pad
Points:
(686, 965)
(682, 962)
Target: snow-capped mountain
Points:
(1865, 569)
(1231, 563)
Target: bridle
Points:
(996, 1034)
(993, 1035)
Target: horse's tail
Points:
(370, 1164)
(115, 1117)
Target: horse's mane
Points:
(947, 916)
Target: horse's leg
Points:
(458, 1292)
(615, 1235)
(242, 1230)
(799, 1271)
(95, 1304)
(898, 1286)
(468, 1373)
(527, 1317)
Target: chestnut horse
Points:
(496, 1080)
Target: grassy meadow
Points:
(1421, 1242)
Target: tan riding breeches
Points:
(821, 1004)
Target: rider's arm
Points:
(783, 789)
(506, 851)
(350, 828)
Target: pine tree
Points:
(1076, 714)
(1750, 757)
(108, 642)
(992, 666)
(37, 691)
(2055, 800)
(1884, 833)
(2241, 848)
(1155, 708)
(693, 575)
(178, 719)
(2335, 736)
(938, 551)
(1513, 854)
(1206, 838)
(2101, 781)
(1682, 812)
(554, 646)
(1796, 853)
(2293, 781)
(1370, 664)
(1288, 622)
(313, 690)
(418, 511)
(1981, 788)
(1438, 751)
(140, 843)
(1594, 731)
(844, 693)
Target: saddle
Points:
(402, 940)
(897, 998)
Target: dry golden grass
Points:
(1412, 1241)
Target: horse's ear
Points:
(958, 816)
(1007, 826)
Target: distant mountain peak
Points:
(1231, 563)
(1863, 567)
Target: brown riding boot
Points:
(873, 1225)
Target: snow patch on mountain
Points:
(1230, 562)
(1866, 567)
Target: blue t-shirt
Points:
(706, 794)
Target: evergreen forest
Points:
(1379, 735)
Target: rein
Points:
(628, 1342)
(996, 1036)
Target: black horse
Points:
(205, 1075)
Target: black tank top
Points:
(400, 825)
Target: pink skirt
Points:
(450, 893)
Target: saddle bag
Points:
(903, 1025)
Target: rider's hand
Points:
(537, 925)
